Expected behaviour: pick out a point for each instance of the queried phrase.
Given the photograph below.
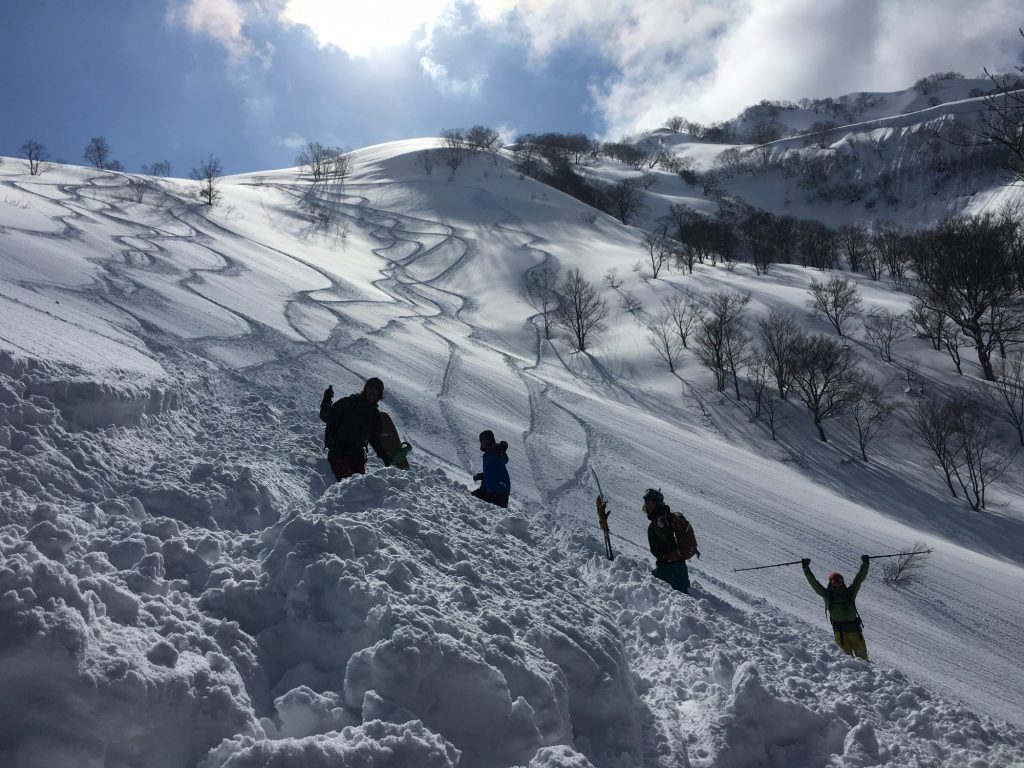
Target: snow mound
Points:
(402, 592)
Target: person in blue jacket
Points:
(494, 481)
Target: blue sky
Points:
(251, 80)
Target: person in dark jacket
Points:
(671, 539)
(494, 481)
(352, 422)
(841, 606)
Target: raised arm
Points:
(862, 574)
(815, 584)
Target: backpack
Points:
(686, 539)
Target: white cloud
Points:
(449, 85)
(361, 29)
(790, 49)
(220, 19)
(291, 141)
(705, 59)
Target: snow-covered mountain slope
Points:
(177, 568)
(907, 156)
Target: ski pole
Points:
(901, 554)
(602, 519)
(773, 565)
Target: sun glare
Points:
(361, 28)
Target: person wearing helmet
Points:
(352, 423)
(494, 480)
(671, 539)
(841, 606)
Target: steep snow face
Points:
(182, 583)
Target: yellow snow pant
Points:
(852, 642)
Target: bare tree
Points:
(35, 155)
(97, 152)
(624, 200)
(935, 428)
(963, 267)
(984, 458)
(721, 339)
(683, 223)
(480, 138)
(884, 329)
(675, 123)
(781, 339)
(711, 182)
(208, 175)
(951, 338)
(837, 299)
(906, 569)
(925, 322)
(890, 241)
(611, 278)
(663, 337)
(1007, 391)
(854, 244)
(826, 379)
(540, 292)
(762, 405)
(1003, 124)
(426, 160)
(659, 249)
(453, 148)
(339, 164)
(869, 413)
(817, 245)
(580, 309)
(315, 159)
(683, 313)
(630, 302)
(159, 168)
(873, 263)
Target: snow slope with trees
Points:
(183, 584)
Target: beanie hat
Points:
(654, 495)
(487, 435)
(835, 578)
(374, 383)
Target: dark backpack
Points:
(686, 539)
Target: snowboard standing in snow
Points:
(397, 450)
(602, 518)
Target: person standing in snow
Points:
(352, 422)
(494, 481)
(671, 539)
(841, 606)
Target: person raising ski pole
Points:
(841, 606)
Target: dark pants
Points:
(496, 499)
(347, 464)
(675, 574)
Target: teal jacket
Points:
(839, 600)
